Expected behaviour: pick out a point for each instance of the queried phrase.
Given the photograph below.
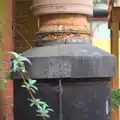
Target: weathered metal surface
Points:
(64, 19)
(59, 36)
(41, 7)
(83, 99)
(70, 61)
(66, 40)
(63, 23)
(62, 26)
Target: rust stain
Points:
(55, 36)
(63, 26)
(63, 19)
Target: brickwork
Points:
(6, 44)
(25, 24)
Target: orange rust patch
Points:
(63, 23)
(63, 19)
(56, 36)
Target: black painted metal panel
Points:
(81, 99)
(22, 109)
(86, 101)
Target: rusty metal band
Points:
(64, 28)
(61, 35)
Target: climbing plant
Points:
(17, 65)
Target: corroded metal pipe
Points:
(41, 7)
(62, 21)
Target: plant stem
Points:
(27, 88)
(43, 118)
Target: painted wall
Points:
(100, 35)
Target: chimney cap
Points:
(70, 61)
(41, 7)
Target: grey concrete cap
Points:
(70, 61)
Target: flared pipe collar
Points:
(41, 7)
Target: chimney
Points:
(73, 76)
(62, 21)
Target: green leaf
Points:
(116, 97)
(34, 87)
(25, 59)
(43, 103)
(18, 65)
(39, 107)
(23, 86)
(44, 110)
(35, 102)
(49, 109)
(45, 106)
(32, 90)
(15, 65)
(14, 54)
(32, 103)
(31, 82)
